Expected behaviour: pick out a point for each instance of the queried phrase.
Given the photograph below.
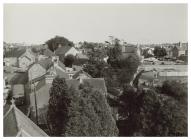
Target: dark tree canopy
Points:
(54, 42)
(69, 60)
(57, 114)
(89, 114)
(146, 54)
(151, 113)
(159, 52)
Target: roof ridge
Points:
(30, 121)
(11, 107)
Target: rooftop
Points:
(16, 124)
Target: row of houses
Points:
(39, 70)
(173, 50)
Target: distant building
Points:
(19, 57)
(26, 59)
(62, 51)
(183, 49)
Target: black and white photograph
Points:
(95, 70)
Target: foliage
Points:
(174, 89)
(54, 42)
(150, 113)
(183, 58)
(95, 68)
(159, 52)
(57, 114)
(69, 60)
(146, 54)
(89, 114)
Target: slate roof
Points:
(48, 52)
(19, 78)
(61, 74)
(16, 124)
(46, 63)
(15, 52)
(62, 50)
(98, 83)
(18, 90)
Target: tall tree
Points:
(54, 42)
(89, 114)
(159, 52)
(68, 60)
(151, 113)
(57, 114)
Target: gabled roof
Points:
(46, 63)
(62, 50)
(15, 52)
(16, 124)
(19, 78)
(48, 52)
(98, 83)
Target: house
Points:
(26, 59)
(11, 56)
(183, 49)
(19, 57)
(39, 68)
(16, 124)
(66, 50)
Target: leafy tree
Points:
(146, 54)
(148, 113)
(54, 42)
(174, 89)
(69, 60)
(89, 114)
(159, 52)
(57, 114)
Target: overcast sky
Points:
(135, 23)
